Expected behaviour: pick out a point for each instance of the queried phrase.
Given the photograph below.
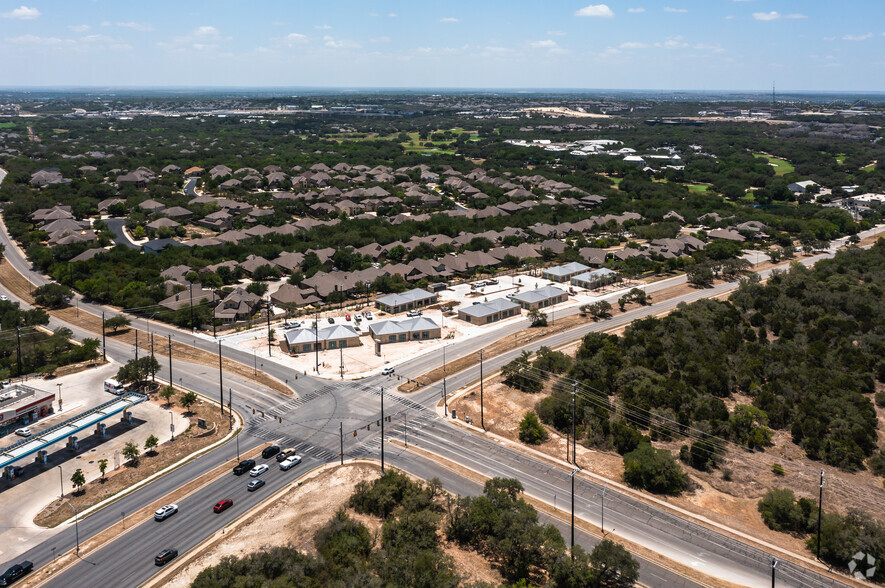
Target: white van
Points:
(114, 387)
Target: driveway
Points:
(120, 237)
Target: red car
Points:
(347, 318)
(223, 505)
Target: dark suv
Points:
(270, 451)
(15, 572)
(165, 557)
(244, 466)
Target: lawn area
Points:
(6, 125)
(782, 167)
(840, 158)
(869, 168)
(698, 187)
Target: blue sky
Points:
(642, 44)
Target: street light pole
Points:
(170, 359)
(820, 503)
(445, 394)
(220, 380)
(774, 563)
(59, 396)
(382, 429)
(572, 476)
(172, 425)
(61, 482)
(104, 342)
(316, 342)
(482, 420)
(574, 445)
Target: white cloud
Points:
(633, 45)
(713, 48)
(97, 39)
(729, 17)
(323, 27)
(863, 37)
(563, 33)
(380, 40)
(766, 15)
(79, 28)
(449, 19)
(673, 43)
(136, 26)
(206, 31)
(636, 10)
(599, 10)
(296, 39)
(333, 43)
(393, 15)
(545, 44)
(795, 15)
(22, 13)
(424, 49)
(678, 10)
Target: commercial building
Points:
(409, 300)
(563, 273)
(415, 329)
(483, 313)
(332, 337)
(595, 279)
(540, 298)
(22, 405)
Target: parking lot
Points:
(354, 362)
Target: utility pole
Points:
(220, 379)
(445, 394)
(482, 420)
(602, 523)
(820, 503)
(104, 341)
(268, 330)
(774, 563)
(341, 436)
(341, 353)
(572, 476)
(382, 429)
(230, 408)
(192, 305)
(136, 344)
(214, 294)
(153, 373)
(170, 359)
(406, 430)
(18, 356)
(574, 397)
(316, 342)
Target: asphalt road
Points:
(311, 421)
(116, 225)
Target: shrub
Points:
(626, 437)
(531, 431)
(654, 470)
(780, 511)
(778, 470)
(880, 399)
(380, 497)
(555, 362)
(52, 295)
(877, 463)
(727, 474)
(520, 375)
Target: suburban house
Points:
(415, 329)
(540, 298)
(595, 279)
(239, 305)
(564, 273)
(157, 245)
(483, 313)
(415, 298)
(184, 299)
(292, 295)
(332, 337)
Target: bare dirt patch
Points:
(186, 443)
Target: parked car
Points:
(368, 315)
(4, 297)
(285, 453)
(270, 451)
(23, 432)
(388, 371)
(223, 505)
(165, 557)
(255, 484)
(491, 281)
(165, 512)
(244, 466)
(347, 317)
(15, 572)
(331, 321)
(290, 462)
(415, 312)
(257, 470)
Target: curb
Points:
(164, 471)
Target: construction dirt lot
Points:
(299, 513)
(728, 502)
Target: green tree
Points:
(150, 444)
(598, 309)
(78, 479)
(699, 275)
(187, 399)
(654, 470)
(131, 452)
(537, 318)
(115, 322)
(531, 431)
(166, 393)
(52, 295)
(613, 565)
(520, 374)
(781, 512)
(102, 467)
(138, 370)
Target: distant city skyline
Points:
(702, 45)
